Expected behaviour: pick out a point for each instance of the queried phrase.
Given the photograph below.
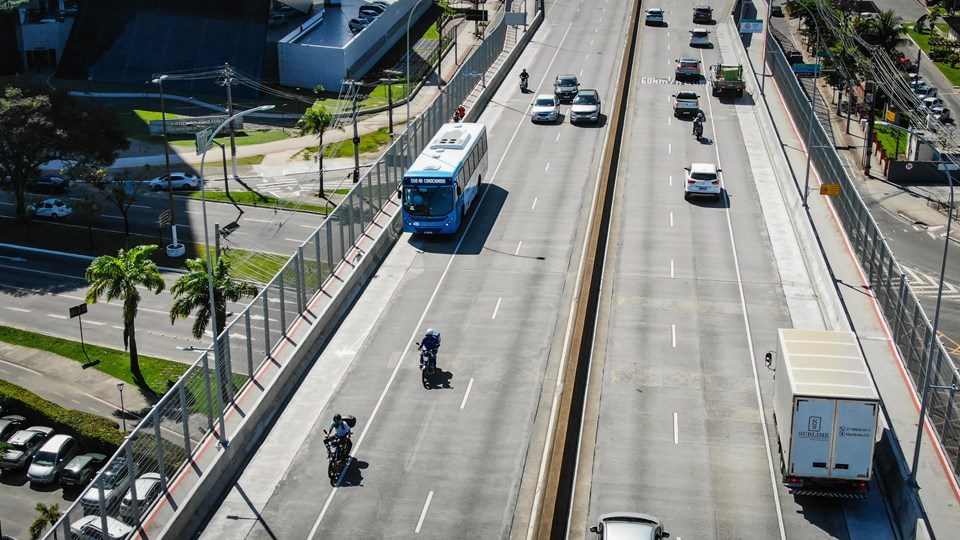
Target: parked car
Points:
(51, 208)
(565, 87)
(148, 488)
(629, 525)
(702, 179)
(115, 481)
(699, 38)
(776, 10)
(91, 528)
(545, 108)
(941, 114)
(80, 470)
(24, 444)
(585, 107)
(794, 57)
(931, 103)
(9, 425)
(654, 16)
(180, 180)
(687, 68)
(357, 25)
(49, 184)
(51, 459)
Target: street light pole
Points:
(407, 84)
(813, 101)
(123, 414)
(933, 342)
(175, 249)
(206, 242)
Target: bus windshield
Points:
(428, 201)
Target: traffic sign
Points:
(891, 115)
(163, 218)
(832, 190)
(203, 141)
(806, 68)
(751, 26)
(78, 310)
(475, 14)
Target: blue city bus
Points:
(440, 186)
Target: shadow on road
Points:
(484, 217)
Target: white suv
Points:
(702, 179)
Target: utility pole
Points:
(228, 82)
(392, 74)
(871, 99)
(174, 243)
(356, 134)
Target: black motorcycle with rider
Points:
(338, 442)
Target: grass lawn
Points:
(371, 142)
(218, 165)
(923, 40)
(113, 362)
(889, 137)
(431, 32)
(243, 138)
(136, 122)
(246, 197)
(254, 266)
(379, 96)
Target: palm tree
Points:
(118, 278)
(315, 121)
(48, 515)
(191, 293)
(887, 32)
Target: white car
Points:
(630, 525)
(90, 528)
(654, 16)
(699, 38)
(932, 103)
(148, 488)
(180, 180)
(51, 208)
(702, 179)
(546, 108)
(115, 481)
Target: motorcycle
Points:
(428, 360)
(523, 85)
(698, 130)
(338, 451)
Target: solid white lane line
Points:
(673, 335)
(496, 309)
(517, 252)
(466, 394)
(423, 513)
(534, 206)
(749, 335)
(547, 168)
(676, 430)
(671, 219)
(21, 310)
(433, 296)
(671, 269)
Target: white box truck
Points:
(826, 410)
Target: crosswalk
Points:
(924, 284)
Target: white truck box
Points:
(826, 409)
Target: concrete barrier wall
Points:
(892, 475)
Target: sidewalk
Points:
(65, 382)
(939, 492)
(466, 42)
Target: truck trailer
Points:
(826, 410)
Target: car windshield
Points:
(688, 63)
(700, 33)
(45, 459)
(585, 99)
(428, 201)
(703, 176)
(545, 102)
(567, 81)
(686, 95)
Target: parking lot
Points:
(18, 499)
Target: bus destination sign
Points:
(426, 180)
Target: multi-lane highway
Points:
(681, 423)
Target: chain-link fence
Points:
(195, 413)
(909, 324)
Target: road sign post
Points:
(833, 190)
(78, 311)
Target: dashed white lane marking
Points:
(671, 179)
(293, 240)
(534, 205)
(676, 430)
(517, 252)
(466, 394)
(671, 219)
(56, 316)
(98, 323)
(115, 327)
(673, 335)
(669, 148)
(258, 220)
(558, 137)
(588, 56)
(21, 310)
(581, 73)
(496, 309)
(547, 168)
(423, 513)
(671, 269)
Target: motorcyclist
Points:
(430, 341)
(698, 124)
(339, 432)
(524, 76)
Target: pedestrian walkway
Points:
(65, 382)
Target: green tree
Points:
(88, 208)
(886, 32)
(38, 126)
(117, 278)
(191, 293)
(47, 515)
(315, 121)
(121, 191)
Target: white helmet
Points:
(432, 332)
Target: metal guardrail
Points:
(911, 329)
(168, 437)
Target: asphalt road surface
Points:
(500, 301)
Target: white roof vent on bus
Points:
(432, 167)
(454, 138)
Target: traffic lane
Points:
(532, 187)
